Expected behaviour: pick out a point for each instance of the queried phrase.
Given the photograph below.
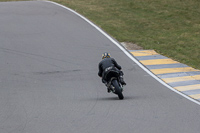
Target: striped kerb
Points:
(179, 76)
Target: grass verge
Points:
(171, 27)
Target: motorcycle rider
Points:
(106, 65)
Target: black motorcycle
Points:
(114, 83)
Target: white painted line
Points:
(127, 53)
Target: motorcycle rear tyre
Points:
(118, 91)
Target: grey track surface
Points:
(49, 83)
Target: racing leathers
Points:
(105, 65)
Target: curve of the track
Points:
(48, 80)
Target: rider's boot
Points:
(122, 80)
(108, 87)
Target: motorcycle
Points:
(114, 83)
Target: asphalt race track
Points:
(48, 79)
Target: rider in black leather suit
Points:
(106, 64)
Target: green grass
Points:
(171, 27)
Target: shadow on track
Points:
(112, 98)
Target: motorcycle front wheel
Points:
(118, 90)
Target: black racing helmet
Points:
(105, 55)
